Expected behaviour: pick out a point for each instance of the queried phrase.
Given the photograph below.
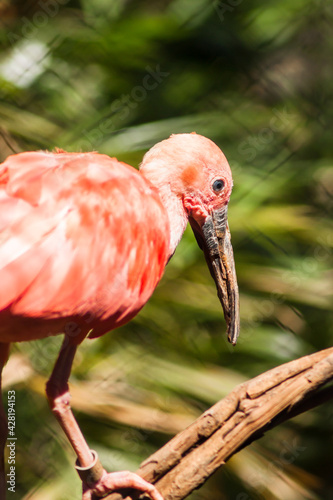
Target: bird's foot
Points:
(98, 483)
(114, 481)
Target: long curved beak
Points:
(213, 238)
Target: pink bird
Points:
(84, 240)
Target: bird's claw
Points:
(113, 481)
(98, 483)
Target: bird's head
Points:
(195, 182)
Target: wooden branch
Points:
(252, 408)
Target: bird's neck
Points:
(173, 205)
(176, 214)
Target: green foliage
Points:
(256, 78)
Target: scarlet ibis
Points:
(84, 241)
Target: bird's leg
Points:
(4, 351)
(58, 395)
(96, 481)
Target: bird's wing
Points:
(79, 234)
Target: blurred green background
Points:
(256, 78)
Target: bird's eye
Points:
(218, 185)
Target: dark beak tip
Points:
(233, 325)
(232, 338)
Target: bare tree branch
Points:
(252, 408)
